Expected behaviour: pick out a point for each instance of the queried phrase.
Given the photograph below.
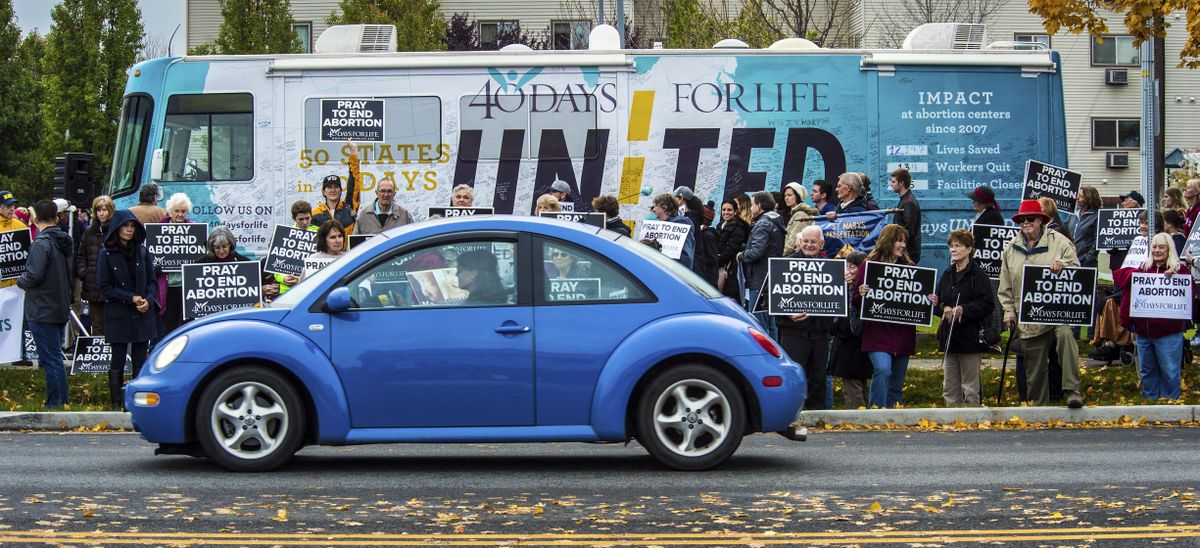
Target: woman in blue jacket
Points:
(125, 272)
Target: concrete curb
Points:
(913, 417)
(57, 421)
(65, 420)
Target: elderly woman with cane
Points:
(965, 294)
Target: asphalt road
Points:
(1029, 488)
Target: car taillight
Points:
(772, 381)
(765, 342)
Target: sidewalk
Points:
(111, 420)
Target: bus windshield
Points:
(131, 145)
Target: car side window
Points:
(459, 274)
(572, 275)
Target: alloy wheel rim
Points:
(249, 420)
(692, 417)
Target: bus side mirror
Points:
(156, 165)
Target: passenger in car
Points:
(564, 264)
(478, 273)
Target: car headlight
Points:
(169, 352)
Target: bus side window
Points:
(209, 137)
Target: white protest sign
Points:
(1139, 251)
(1161, 296)
(671, 236)
(12, 310)
(313, 264)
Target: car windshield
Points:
(681, 272)
(301, 290)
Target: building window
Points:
(491, 33)
(1033, 38)
(1110, 133)
(1115, 50)
(304, 32)
(571, 34)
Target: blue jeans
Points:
(887, 382)
(1159, 364)
(764, 319)
(48, 337)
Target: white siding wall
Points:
(204, 16)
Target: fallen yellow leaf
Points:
(280, 515)
(875, 507)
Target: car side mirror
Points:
(156, 165)
(338, 300)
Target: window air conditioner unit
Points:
(1117, 160)
(1116, 77)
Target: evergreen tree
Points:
(688, 25)
(18, 127)
(88, 52)
(419, 24)
(254, 27)
(30, 168)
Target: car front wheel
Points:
(250, 419)
(691, 417)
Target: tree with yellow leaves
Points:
(1145, 19)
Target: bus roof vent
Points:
(794, 43)
(516, 47)
(604, 37)
(731, 43)
(357, 39)
(967, 36)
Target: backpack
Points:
(704, 260)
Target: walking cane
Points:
(1003, 367)
(950, 334)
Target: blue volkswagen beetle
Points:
(482, 329)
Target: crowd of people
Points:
(100, 260)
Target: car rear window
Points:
(681, 272)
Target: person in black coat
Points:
(964, 301)
(847, 361)
(732, 233)
(987, 209)
(611, 208)
(125, 273)
(805, 338)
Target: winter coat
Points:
(732, 236)
(989, 216)
(87, 254)
(1146, 327)
(1084, 232)
(766, 241)
(1189, 217)
(909, 217)
(972, 289)
(122, 278)
(857, 206)
(47, 279)
(893, 338)
(147, 213)
(1051, 247)
(846, 358)
(346, 209)
(801, 217)
(615, 224)
(368, 222)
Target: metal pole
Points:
(621, 21)
(1149, 125)
(600, 13)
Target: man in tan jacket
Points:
(1035, 245)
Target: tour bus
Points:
(246, 136)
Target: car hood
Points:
(272, 315)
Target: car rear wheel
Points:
(250, 419)
(691, 417)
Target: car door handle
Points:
(512, 329)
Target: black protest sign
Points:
(175, 244)
(573, 289)
(596, 219)
(289, 247)
(357, 119)
(899, 293)
(1065, 298)
(989, 246)
(459, 211)
(355, 239)
(93, 355)
(816, 287)
(1057, 183)
(215, 287)
(1116, 228)
(14, 252)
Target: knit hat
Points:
(684, 192)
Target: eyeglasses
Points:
(556, 253)
(1026, 220)
(385, 191)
